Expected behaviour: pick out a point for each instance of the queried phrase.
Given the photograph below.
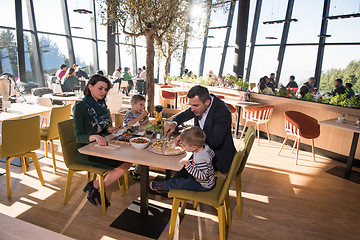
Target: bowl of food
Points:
(139, 142)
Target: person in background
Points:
(270, 84)
(61, 72)
(263, 88)
(117, 74)
(80, 73)
(310, 85)
(92, 122)
(70, 82)
(272, 80)
(137, 113)
(339, 87)
(198, 172)
(213, 116)
(186, 73)
(100, 72)
(126, 75)
(350, 92)
(303, 90)
(142, 82)
(292, 83)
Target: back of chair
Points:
(114, 90)
(68, 141)
(114, 102)
(235, 165)
(43, 101)
(20, 136)
(58, 114)
(298, 123)
(258, 113)
(248, 143)
(124, 83)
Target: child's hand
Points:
(184, 162)
(143, 114)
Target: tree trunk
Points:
(150, 56)
(168, 58)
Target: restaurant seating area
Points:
(280, 200)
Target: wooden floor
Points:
(281, 201)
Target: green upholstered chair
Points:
(19, 138)
(68, 145)
(51, 133)
(248, 142)
(218, 197)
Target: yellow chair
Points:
(51, 133)
(218, 197)
(68, 145)
(19, 138)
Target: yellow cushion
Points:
(209, 197)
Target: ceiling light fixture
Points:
(82, 11)
(76, 27)
(353, 15)
(280, 21)
(272, 38)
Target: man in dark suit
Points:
(214, 117)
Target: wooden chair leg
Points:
(53, 155)
(258, 132)
(8, 178)
(293, 148)
(174, 213)
(102, 194)
(37, 166)
(42, 121)
(195, 204)
(297, 152)
(94, 178)
(282, 145)
(221, 217)
(121, 185)
(313, 148)
(23, 164)
(243, 131)
(126, 180)
(88, 176)
(238, 195)
(267, 130)
(227, 210)
(68, 184)
(46, 149)
(27, 161)
(183, 207)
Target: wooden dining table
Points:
(346, 126)
(21, 110)
(145, 158)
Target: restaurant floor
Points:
(281, 201)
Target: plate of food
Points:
(124, 135)
(166, 148)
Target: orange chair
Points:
(183, 102)
(166, 95)
(300, 125)
(259, 114)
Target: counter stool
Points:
(300, 125)
(259, 114)
(167, 96)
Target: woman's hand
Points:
(112, 130)
(99, 139)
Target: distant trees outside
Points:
(349, 74)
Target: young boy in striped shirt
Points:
(198, 172)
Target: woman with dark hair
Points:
(350, 92)
(69, 81)
(263, 88)
(92, 122)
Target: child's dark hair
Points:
(137, 98)
(194, 136)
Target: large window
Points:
(48, 15)
(264, 63)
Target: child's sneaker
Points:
(157, 186)
(134, 175)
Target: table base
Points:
(151, 226)
(339, 171)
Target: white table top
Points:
(347, 126)
(16, 229)
(59, 98)
(20, 110)
(239, 103)
(127, 153)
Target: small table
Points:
(67, 100)
(238, 105)
(145, 158)
(21, 110)
(347, 126)
(176, 91)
